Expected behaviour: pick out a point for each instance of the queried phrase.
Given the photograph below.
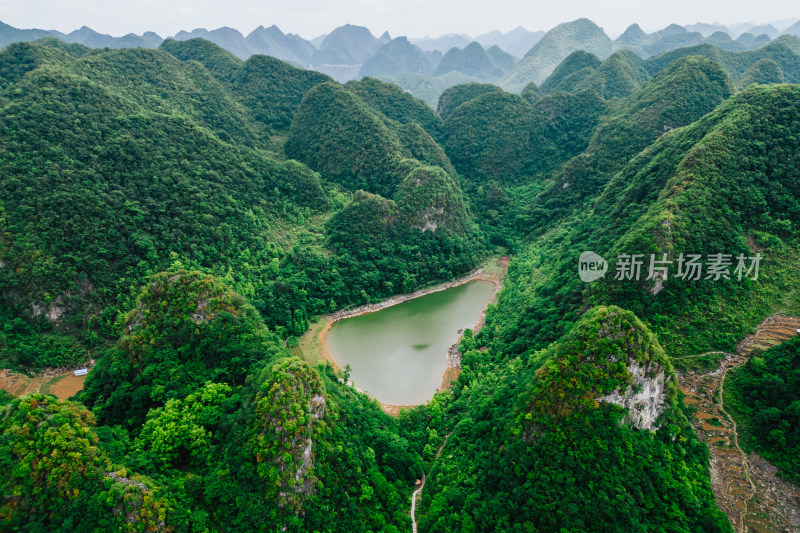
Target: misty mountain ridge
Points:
(427, 66)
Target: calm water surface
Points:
(399, 354)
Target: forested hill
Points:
(178, 216)
(681, 164)
(120, 164)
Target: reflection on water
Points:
(399, 354)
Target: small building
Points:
(81, 371)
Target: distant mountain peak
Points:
(348, 31)
(351, 28)
(554, 47)
(84, 30)
(229, 30)
(632, 36)
(673, 29)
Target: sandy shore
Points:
(492, 273)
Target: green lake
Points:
(399, 354)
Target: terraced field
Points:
(746, 487)
(62, 385)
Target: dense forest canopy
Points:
(179, 216)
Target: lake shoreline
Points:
(494, 275)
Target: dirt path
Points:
(696, 356)
(753, 499)
(422, 485)
(414, 505)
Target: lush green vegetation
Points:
(176, 186)
(200, 395)
(454, 96)
(763, 71)
(120, 164)
(56, 477)
(765, 397)
(616, 77)
(181, 216)
(563, 56)
(504, 138)
(472, 60)
(554, 47)
(574, 63)
(783, 50)
(675, 97)
(672, 199)
(529, 437)
(186, 329)
(397, 104)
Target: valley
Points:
(335, 286)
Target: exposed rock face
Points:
(665, 242)
(61, 304)
(54, 311)
(316, 408)
(645, 398)
(289, 409)
(431, 219)
(137, 503)
(429, 199)
(611, 357)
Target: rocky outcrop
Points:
(138, 504)
(611, 357)
(289, 411)
(644, 398)
(302, 485)
(429, 199)
(54, 310)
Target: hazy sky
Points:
(414, 18)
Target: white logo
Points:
(591, 267)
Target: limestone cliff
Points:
(645, 397)
(609, 356)
(288, 411)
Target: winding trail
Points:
(414, 505)
(422, 485)
(735, 434)
(697, 355)
(757, 501)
